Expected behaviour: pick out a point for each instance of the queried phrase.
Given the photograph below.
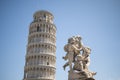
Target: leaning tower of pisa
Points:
(41, 48)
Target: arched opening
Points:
(38, 28)
(47, 63)
(44, 15)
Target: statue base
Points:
(79, 75)
(90, 79)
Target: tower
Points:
(41, 48)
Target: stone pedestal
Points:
(79, 75)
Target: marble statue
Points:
(78, 60)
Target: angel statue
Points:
(78, 59)
(72, 50)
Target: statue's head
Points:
(87, 50)
(78, 38)
(79, 57)
(71, 40)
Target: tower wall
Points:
(41, 48)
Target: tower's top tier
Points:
(41, 16)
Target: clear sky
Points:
(97, 21)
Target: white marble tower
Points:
(41, 49)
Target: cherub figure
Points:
(78, 64)
(73, 49)
(69, 48)
(86, 61)
(85, 54)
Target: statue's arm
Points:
(78, 49)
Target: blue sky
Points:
(97, 21)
